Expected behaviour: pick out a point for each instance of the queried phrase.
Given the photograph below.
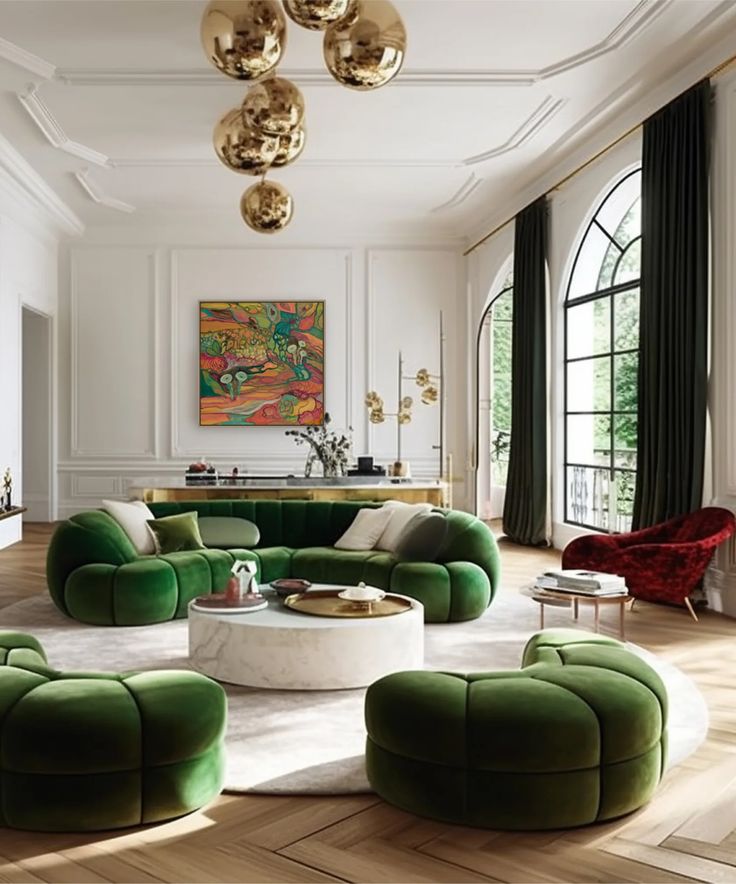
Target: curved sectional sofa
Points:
(87, 751)
(95, 574)
(577, 736)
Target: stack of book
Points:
(592, 583)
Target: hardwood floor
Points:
(687, 833)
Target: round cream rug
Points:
(311, 742)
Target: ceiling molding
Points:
(33, 187)
(302, 76)
(538, 118)
(52, 131)
(26, 60)
(640, 17)
(468, 187)
(206, 162)
(95, 193)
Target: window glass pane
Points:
(500, 410)
(588, 492)
(625, 381)
(625, 439)
(629, 266)
(625, 486)
(588, 328)
(618, 204)
(588, 265)
(589, 439)
(626, 320)
(589, 385)
(605, 275)
(630, 226)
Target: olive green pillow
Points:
(228, 532)
(175, 533)
(422, 538)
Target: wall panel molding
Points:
(77, 450)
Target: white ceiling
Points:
(492, 92)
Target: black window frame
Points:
(610, 293)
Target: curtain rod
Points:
(719, 69)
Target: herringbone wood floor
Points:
(687, 833)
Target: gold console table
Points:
(162, 489)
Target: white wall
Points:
(129, 353)
(28, 276)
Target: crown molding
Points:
(51, 130)
(538, 118)
(26, 60)
(32, 186)
(94, 192)
(468, 186)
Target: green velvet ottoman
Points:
(86, 751)
(576, 736)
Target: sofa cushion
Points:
(228, 532)
(176, 533)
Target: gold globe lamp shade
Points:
(242, 149)
(267, 207)
(365, 50)
(376, 416)
(373, 400)
(275, 106)
(290, 147)
(430, 394)
(423, 377)
(316, 15)
(404, 417)
(244, 39)
(406, 403)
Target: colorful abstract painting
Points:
(261, 363)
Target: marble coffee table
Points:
(285, 650)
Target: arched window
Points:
(501, 314)
(601, 364)
(494, 400)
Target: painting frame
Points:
(261, 362)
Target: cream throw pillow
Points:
(401, 514)
(365, 529)
(132, 516)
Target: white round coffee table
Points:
(286, 650)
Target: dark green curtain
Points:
(673, 342)
(525, 508)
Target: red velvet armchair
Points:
(664, 563)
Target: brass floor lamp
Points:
(433, 391)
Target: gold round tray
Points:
(326, 603)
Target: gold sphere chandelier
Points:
(364, 48)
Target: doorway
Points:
(36, 445)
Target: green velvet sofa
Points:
(88, 751)
(95, 575)
(576, 736)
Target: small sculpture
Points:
(7, 490)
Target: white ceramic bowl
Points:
(362, 594)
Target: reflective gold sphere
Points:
(244, 39)
(316, 14)
(241, 148)
(366, 49)
(290, 147)
(275, 106)
(267, 207)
